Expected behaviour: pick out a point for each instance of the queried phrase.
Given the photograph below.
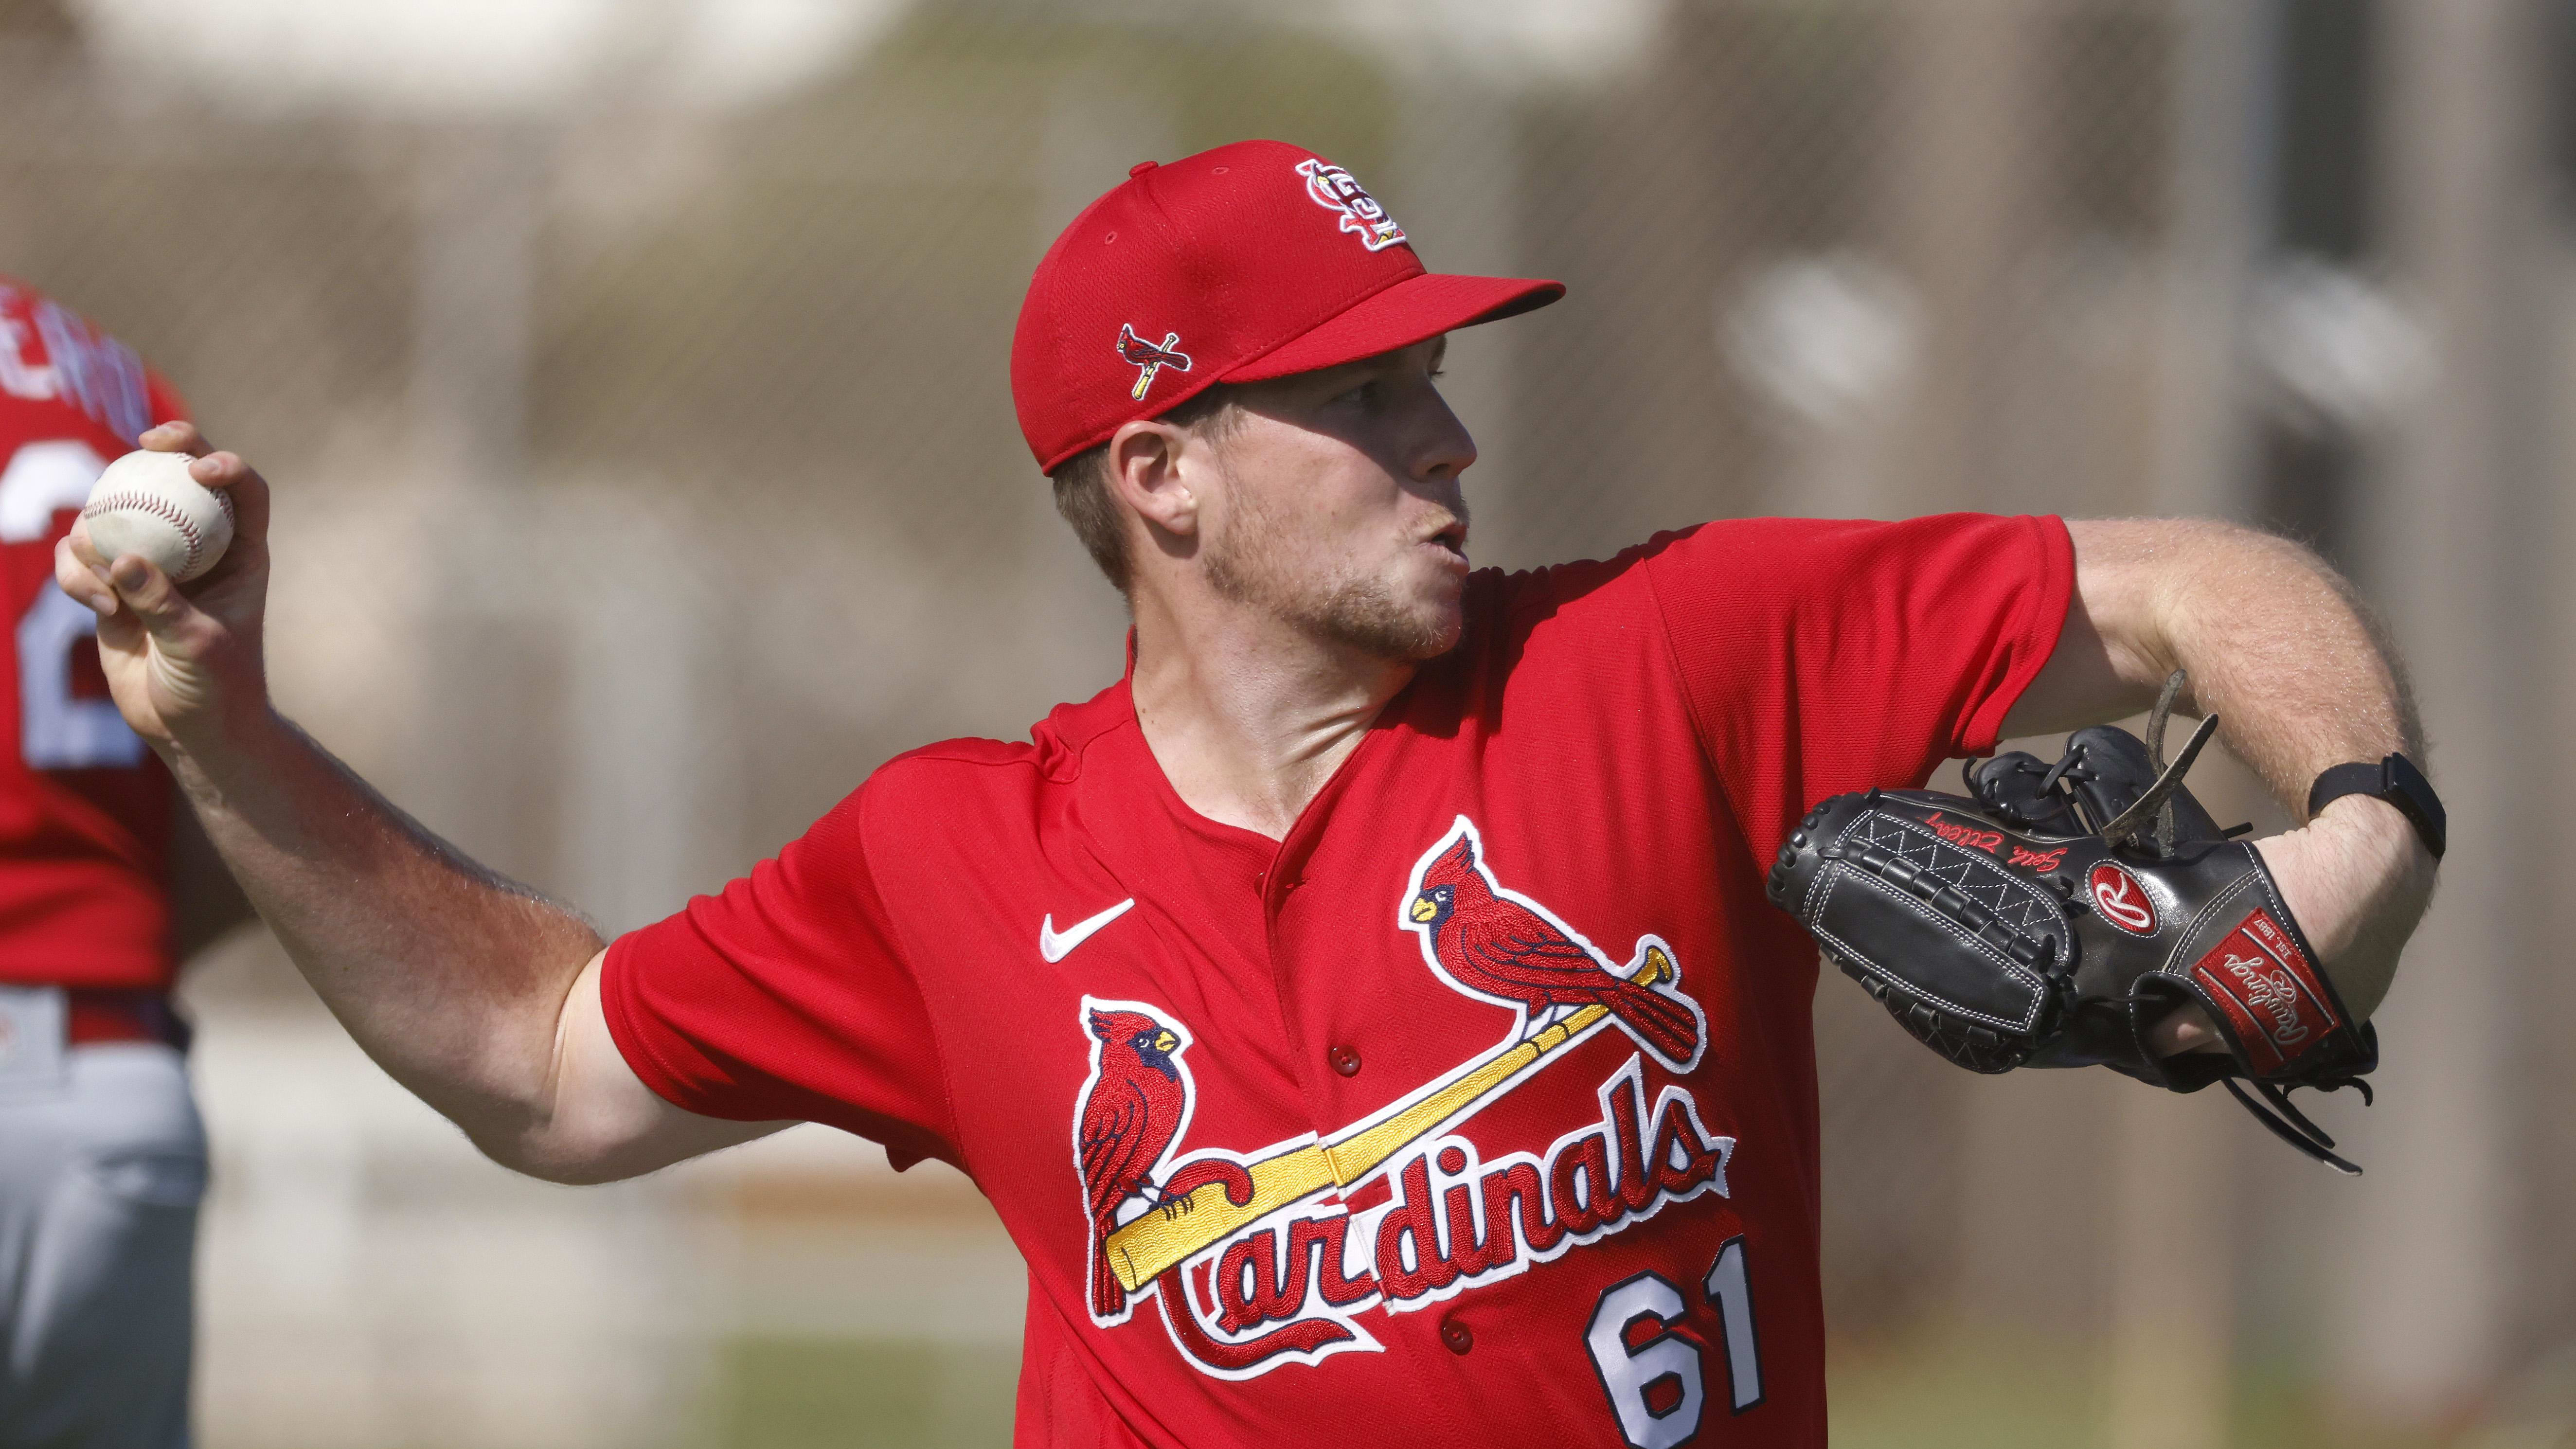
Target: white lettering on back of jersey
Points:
(57, 730)
(19, 377)
(83, 366)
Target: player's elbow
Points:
(585, 1118)
(576, 1170)
(589, 1118)
(558, 1152)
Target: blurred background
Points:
(632, 375)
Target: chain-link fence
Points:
(647, 473)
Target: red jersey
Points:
(84, 806)
(1480, 1110)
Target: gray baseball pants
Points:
(101, 1171)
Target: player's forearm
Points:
(2276, 647)
(450, 977)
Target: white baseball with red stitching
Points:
(146, 503)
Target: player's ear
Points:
(1146, 473)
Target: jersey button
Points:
(1457, 1336)
(1344, 1061)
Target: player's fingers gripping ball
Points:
(147, 503)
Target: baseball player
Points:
(1365, 1014)
(102, 1158)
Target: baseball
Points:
(145, 503)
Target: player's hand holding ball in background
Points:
(178, 657)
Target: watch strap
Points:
(2392, 778)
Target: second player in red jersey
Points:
(84, 806)
(98, 903)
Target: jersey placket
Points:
(1315, 950)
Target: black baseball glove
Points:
(2058, 917)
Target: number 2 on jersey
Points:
(56, 730)
(1653, 1370)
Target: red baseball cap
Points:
(1253, 260)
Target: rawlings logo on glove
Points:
(2057, 918)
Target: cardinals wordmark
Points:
(1258, 1259)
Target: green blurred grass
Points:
(1954, 1390)
(1983, 1390)
(807, 1393)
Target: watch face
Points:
(2406, 788)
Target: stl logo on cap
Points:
(1148, 359)
(1335, 189)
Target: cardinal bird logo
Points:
(1148, 359)
(1501, 945)
(1133, 1109)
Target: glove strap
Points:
(2292, 1125)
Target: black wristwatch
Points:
(2395, 780)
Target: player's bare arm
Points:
(206, 902)
(2276, 648)
(473, 992)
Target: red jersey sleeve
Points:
(787, 996)
(1824, 656)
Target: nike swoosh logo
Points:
(1055, 946)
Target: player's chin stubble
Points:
(1251, 562)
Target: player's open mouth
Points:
(1452, 541)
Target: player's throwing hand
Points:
(177, 658)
